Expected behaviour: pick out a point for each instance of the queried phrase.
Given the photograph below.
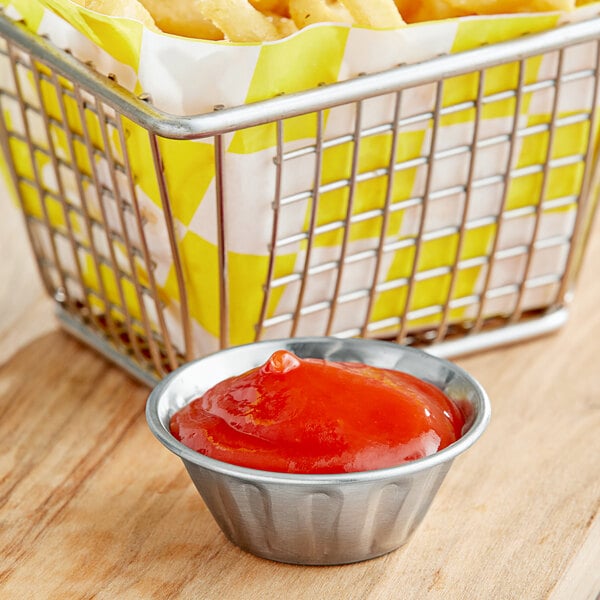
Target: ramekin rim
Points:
(447, 454)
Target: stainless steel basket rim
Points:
(448, 454)
(231, 118)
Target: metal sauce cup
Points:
(318, 519)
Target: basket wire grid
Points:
(58, 97)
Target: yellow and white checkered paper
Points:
(185, 76)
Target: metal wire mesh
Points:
(71, 163)
(76, 221)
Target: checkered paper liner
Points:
(186, 77)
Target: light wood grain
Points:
(25, 311)
(91, 506)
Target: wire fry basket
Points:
(73, 156)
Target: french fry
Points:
(131, 9)
(430, 10)
(239, 20)
(416, 11)
(182, 17)
(494, 7)
(307, 12)
(263, 20)
(276, 7)
(284, 25)
(378, 14)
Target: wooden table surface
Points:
(91, 505)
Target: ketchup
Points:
(315, 416)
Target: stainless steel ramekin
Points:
(318, 519)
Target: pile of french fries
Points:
(263, 20)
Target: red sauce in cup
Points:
(314, 416)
